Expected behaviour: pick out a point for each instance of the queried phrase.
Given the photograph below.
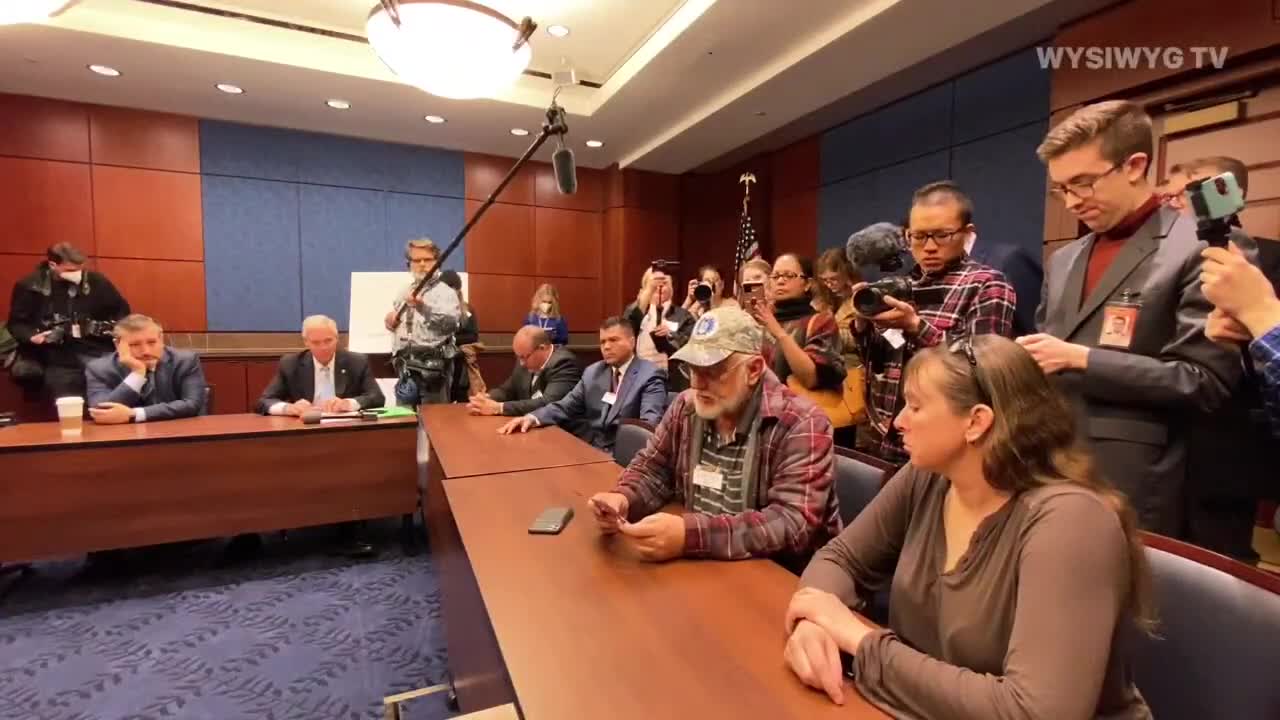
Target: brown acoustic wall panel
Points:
(501, 302)
(43, 202)
(171, 291)
(797, 167)
(648, 235)
(794, 220)
(147, 214)
(12, 269)
(226, 379)
(138, 138)
(589, 196)
(40, 128)
(611, 259)
(258, 375)
(482, 173)
(502, 242)
(1246, 26)
(580, 302)
(567, 242)
(653, 190)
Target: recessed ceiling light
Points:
(595, 143)
(557, 30)
(434, 119)
(338, 104)
(760, 113)
(230, 89)
(519, 132)
(105, 70)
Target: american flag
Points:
(748, 247)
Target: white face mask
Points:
(545, 308)
(74, 277)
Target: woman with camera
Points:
(803, 344)
(1014, 567)
(706, 292)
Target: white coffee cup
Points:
(70, 414)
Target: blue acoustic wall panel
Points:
(882, 195)
(1006, 182)
(248, 151)
(251, 257)
(1006, 94)
(414, 216)
(912, 127)
(340, 161)
(423, 170)
(342, 231)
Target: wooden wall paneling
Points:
(567, 242)
(31, 405)
(1059, 223)
(794, 223)
(581, 302)
(41, 128)
(615, 186)
(144, 139)
(648, 235)
(495, 367)
(1254, 142)
(226, 377)
(43, 202)
(590, 194)
(653, 190)
(482, 173)
(611, 259)
(257, 376)
(503, 241)
(148, 214)
(1264, 183)
(1262, 219)
(797, 167)
(1249, 25)
(501, 301)
(171, 291)
(12, 269)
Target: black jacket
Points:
(39, 296)
(671, 343)
(296, 379)
(554, 382)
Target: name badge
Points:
(707, 478)
(672, 325)
(537, 394)
(75, 330)
(1118, 322)
(894, 337)
(609, 398)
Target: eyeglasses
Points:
(965, 347)
(831, 281)
(712, 374)
(787, 276)
(1082, 189)
(941, 237)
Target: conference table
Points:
(575, 625)
(120, 486)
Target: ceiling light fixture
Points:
(519, 132)
(105, 70)
(230, 89)
(557, 30)
(338, 104)
(451, 48)
(595, 143)
(13, 12)
(434, 119)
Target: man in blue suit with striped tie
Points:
(619, 386)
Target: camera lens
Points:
(702, 293)
(869, 301)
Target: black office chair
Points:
(858, 477)
(633, 435)
(1219, 636)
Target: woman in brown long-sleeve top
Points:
(1013, 568)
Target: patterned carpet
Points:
(293, 634)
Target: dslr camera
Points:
(60, 327)
(880, 245)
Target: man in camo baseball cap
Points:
(719, 334)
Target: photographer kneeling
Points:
(62, 316)
(945, 297)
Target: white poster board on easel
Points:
(372, 296)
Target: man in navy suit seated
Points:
(322, 377)
(144, 381)
(619, 386)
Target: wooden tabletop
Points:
(34, 436)
(469, 445)
(588, 630)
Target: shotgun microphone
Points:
(562, 165)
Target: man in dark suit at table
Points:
(543, 374)
(322, 377)
(619, 386)
(144, 381)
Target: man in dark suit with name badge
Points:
(322, 377)
(543, 374)
(1122, 317)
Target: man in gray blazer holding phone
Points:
(1122, 317)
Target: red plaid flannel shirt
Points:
(979, 301)
(797, 511)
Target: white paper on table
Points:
(373, 295)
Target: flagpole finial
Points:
(746, 179)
